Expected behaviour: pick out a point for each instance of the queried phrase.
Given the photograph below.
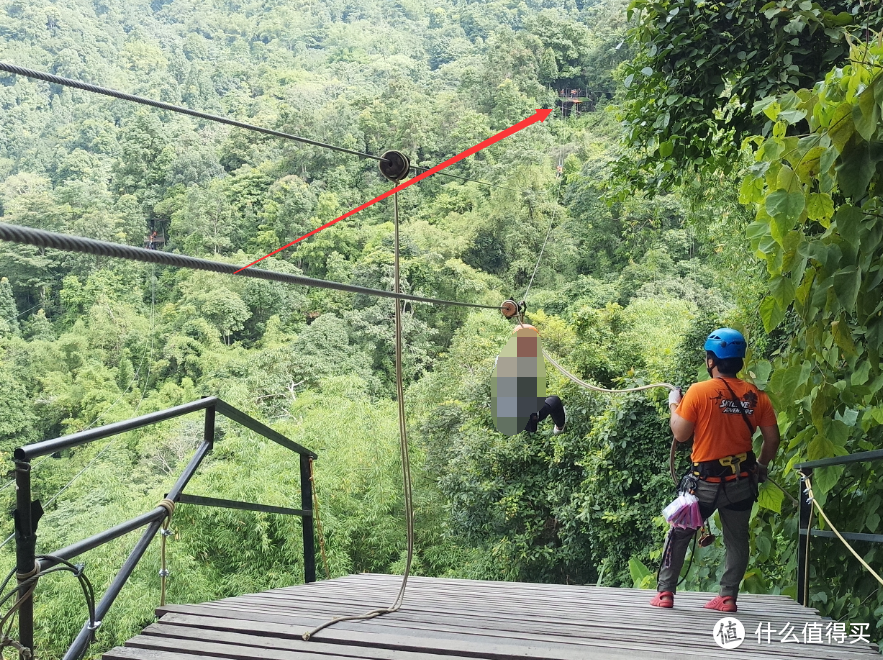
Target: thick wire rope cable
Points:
(69, 243)
(403, 443)
(162, 105)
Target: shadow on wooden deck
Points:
(446, 619)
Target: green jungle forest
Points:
(723, 167)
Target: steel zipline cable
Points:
(68, 243)
(96, 89)
(106, 91)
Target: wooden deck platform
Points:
(449, 619)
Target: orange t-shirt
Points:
(719, 429)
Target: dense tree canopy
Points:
(625, 293)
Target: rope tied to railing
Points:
(169, 506)
(24, 653)
(318, 521)
(822, 513)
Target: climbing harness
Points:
(397, 168)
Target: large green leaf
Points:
(784, 383)
(820, 207)
(820, 447)
(866, 115)
(824, 479)
(855, 169)
(771, 313)
(842, 337)
(782, 289)
(784, 205)
(841, 128)
(848, 222)
(846, 285)
(770, 497)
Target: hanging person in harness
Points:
(721, 415)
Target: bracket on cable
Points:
(510, 308)
(394, 166)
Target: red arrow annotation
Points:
(540, 115)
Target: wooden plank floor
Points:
(446, 619)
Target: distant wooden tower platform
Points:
(449, 619)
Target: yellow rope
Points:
(169, 506)
(319, 521)
(834, 529)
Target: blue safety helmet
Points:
(726, 343)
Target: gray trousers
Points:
(733, 499)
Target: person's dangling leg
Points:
(555, 409)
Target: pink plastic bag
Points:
(684, 512)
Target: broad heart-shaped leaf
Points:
(771, 313)
(820, 207)
(787, 180)
(861, 374)
(824, 479)
(782, 289)
(842, 336)
(846, 285)
(819, 447)
(848, 222)
(841, 127)
(866, 115)
(810, 164)
(855, 169)
(666, 149)
(770, 497)
(784, 383)
(785, 205)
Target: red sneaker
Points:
(663, 599)
(721, 604)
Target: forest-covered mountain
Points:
(626, 291)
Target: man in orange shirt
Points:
(721, 416)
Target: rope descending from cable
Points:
(834, 529)
(546, 240)
(403, 440)
(318, 521)
(68, 243)
(169, 506)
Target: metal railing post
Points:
(803, 541)
(25, 550)
(306, 503)
(209, 431)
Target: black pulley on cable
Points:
(394, 166)
(510, 308)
